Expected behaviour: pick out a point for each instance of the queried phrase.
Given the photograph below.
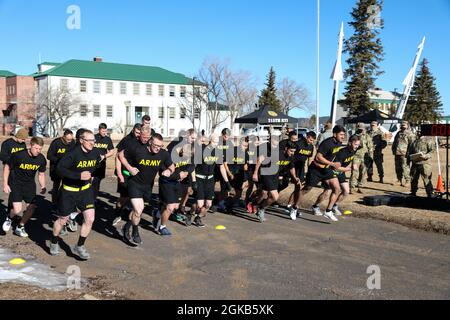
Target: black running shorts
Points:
(22, 192)
(316, 175)
(139, 191)
(70, 201)
(205, 189)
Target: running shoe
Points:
(126, 231)
(136, 238)
(82, 252)
(336, 211)
(20, 231)
(261, 214)
(330, 215)
(188, 219)
(164, 232)
(198, 222)
(64, 231)
(293, 214)
(316, 211)
(72, 225)
(54, 249)
(7, 224)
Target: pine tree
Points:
(269, 94)
(424, 103)
(365, 52)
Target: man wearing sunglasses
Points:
(76, 170)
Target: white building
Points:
(120, 94)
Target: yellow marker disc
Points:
(17, 261)
(220, 228)
(348, 212)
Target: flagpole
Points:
(337, 75)
(318, 70)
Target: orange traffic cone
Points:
(440, 185)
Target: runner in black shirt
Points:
(303, 154)
(276, 171)
(144, 164)
(175, 187)
(322, 170)
(106, 147)
(206, 161)
(252, 152)
(19, 182)
(76, 170)
(224, 149)
(13, 145)
(186, 184)
(234, 170)
(345, 158)
(123, 175)
(58, 148)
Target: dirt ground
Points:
(124, 276)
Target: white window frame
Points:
(110, 111)
(94, 111)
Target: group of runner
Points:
(188, 166)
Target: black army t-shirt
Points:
(104, 145)
(237, 162)
(329, 148)
(209, 161)
(150, 164)
(24, 166)
(71, 166)
(345, 156)
(57, 150)
(304, 151)
(10, 147)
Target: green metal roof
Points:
(115, 71)
(5, 73)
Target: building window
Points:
(172, 91)
(109, 88)
(123, 88)
(197, 114)
(96, 111)
(136, 89)
(182, 113)
(183, 92)
(149, 90)
(83, 86)
(162, 131)
(109, 111)
(64, 84)
(97, 87)
(161, 90)
(171, 132)
(161, 113)
(83, 110)
(172, 113)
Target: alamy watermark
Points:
(73, 278)
(73, 22)
(374, 280)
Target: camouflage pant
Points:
(424, 171)
(378, 159)
(359, 169)
(402, 168)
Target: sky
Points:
(252, 34)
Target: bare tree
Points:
(210, 74)
(294, 96)
(239, 91)
(194, 103)
(54, 107)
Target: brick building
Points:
(16, 102)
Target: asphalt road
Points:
(310, 258)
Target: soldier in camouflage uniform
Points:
(361, 159)
(421, 167)
(402, 141)
(379, 143)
